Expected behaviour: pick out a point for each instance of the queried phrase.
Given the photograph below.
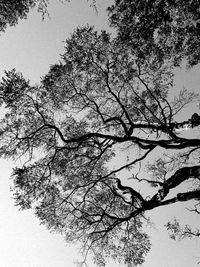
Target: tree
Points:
(170, 28)
(11, 11)
(99, 104)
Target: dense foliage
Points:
(13, 10)
(168, 27)
(97, 119)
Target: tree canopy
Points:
(13, 10)
(88, 135)
(169, 28)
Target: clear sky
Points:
(31, 47)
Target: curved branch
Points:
(181, 175)
(181, 197)
(128, 189)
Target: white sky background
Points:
(31, 47)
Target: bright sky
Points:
(31, 47)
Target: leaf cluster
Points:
(169, 28)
